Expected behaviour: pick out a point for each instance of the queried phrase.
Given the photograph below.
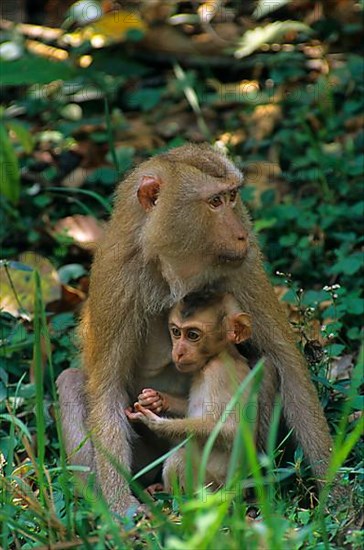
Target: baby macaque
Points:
(204, 327)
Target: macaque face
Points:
(195, 217)
(195, 340)
(226, 227)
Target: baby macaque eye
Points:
(233, 195)
(215, 201)
(176, 333)
(193, 335)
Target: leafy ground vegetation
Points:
(279, 86)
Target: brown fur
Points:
(147, 261)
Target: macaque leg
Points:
(267, 395)
(79, 449)
(115, 440)
(174, 468)
(147, 447)
(112, 440)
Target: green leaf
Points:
(146, 99)
(358, 403)
(335, 349)
(27, 391)
(62, 321)
(355, 305)
(10, 172)
(273, 32)
(354, 333)
(349, 265)
(105, 175)
(14, 420)
(313, 297)
(288, 240)
(34, 70)
(125, 156)
(259, 225)
(3, 391)
(290, 296)
(304, 516)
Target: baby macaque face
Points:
(197, 339)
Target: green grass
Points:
(44, 504)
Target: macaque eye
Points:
(233, 195)
(193, 335)
(215, 201)
(176, 333)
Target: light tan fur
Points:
(217, 370)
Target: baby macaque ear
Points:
(148, 191)
(240, 327)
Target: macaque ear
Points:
(148, 191)
(240, 327)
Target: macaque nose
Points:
(243, 242)
(177, 353)
(180, 352)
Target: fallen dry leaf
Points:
(84, 230)
(341, 368)
(20, 292)
(264, 119)
(72, 297)
(77, 177)
(263, 175)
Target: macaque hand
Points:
(152, 400)
(144, 415)
(132, 415)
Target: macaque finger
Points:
(148, 393)
(146, 412)
(144, 401)
(133, 416)
(154, 488)
(151, 404)
(157, 405)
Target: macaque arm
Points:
(176, 405)
(107, 376)
(301, 406)
(72, 404)
(178, 428)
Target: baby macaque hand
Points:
(132, 415)
(152, 400)
(143, 415)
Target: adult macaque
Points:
(205, 328)
(178, 225)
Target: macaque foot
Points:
(132, 507)
(340, 499)
(253, 513)
(154, 488)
